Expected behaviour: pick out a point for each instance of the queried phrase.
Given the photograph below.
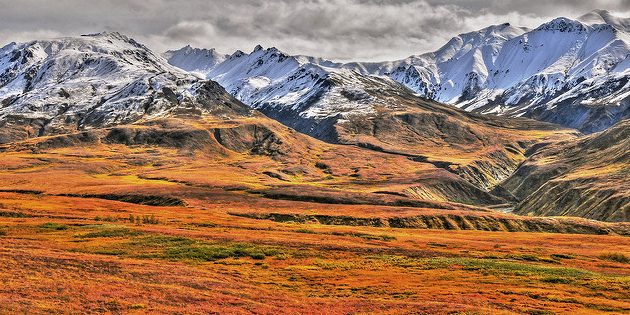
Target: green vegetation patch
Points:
(556, 280)
(550, 274)
(148, 245)
(111, 232)
(533, 258)
(380, 237)
(212, 252)
(162, 241)
(615, 257)
(53, 226)
(14, 214)
(515, 268)
(149, 200)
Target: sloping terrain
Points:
(163, 216)
(344, 106)
(571, 72)
(195, 59)
(482, 149)
(261, 156)
(586, 178)
(103, 80)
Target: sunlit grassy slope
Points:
(589, 177)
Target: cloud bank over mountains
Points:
(335, 29)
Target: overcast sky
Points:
(335, 29)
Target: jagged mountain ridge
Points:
(99, 80)
(571, 72)
(305, 93)
(112, 80)
(107, 88)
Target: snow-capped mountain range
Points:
(97, 80)
(572, 72)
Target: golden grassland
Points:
(83, 254)
(154, 229)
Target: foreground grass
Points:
(373, 266)
(120, 229)
(515, 268)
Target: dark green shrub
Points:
(616, 257)
(53, 226)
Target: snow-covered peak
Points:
(112, 35)
(518, 70)
(257, 48)
(120, 49)
(563, 24)
(88, 81)
(8, 47)
(195, 59)
(269, 76)
(266, 64)
(301, 91)
(491, 37)
(605, 17)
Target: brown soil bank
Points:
(455, 221)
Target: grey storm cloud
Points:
(335, 29)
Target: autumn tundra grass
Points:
(204, 259)
(136, 229)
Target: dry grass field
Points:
(133, 228)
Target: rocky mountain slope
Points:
(571, 72)
(94, 81)
(586, 178)
(340, 105)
